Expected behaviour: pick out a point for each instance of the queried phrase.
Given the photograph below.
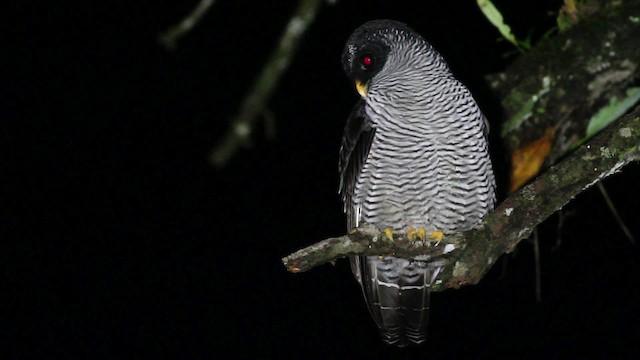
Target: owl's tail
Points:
(397, 293)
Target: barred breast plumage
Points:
(414, 155)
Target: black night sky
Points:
(124, 243)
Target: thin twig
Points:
(170, 37)
(561, 218)
(256, 100)
(615, 213)
(536, 256)
(563, 215)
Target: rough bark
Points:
(555, 94)
(472, 253)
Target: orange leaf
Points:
(527, 160)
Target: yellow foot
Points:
(388, 232)
(437, 235)
(413, 234)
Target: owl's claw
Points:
(421, 234)
(388, 233)
(415, 234)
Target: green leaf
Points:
(495, 17)
(612, 111)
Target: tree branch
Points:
(568, 87)
(266, 83)
(170, 37)
(472, 253)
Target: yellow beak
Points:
(362, 88)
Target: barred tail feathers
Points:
(397, 294)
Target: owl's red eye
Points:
(366, 60)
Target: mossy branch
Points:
(472, 253)
(572, 83)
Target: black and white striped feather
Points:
(414, 154)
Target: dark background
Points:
(123, 241)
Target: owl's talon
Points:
(437, 235)
(388, 233)
(415, 234)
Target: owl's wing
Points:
(356, 142)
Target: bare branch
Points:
(472, 253)
(616, 215)
(365, 240)
(170, 37)
(256, 100)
